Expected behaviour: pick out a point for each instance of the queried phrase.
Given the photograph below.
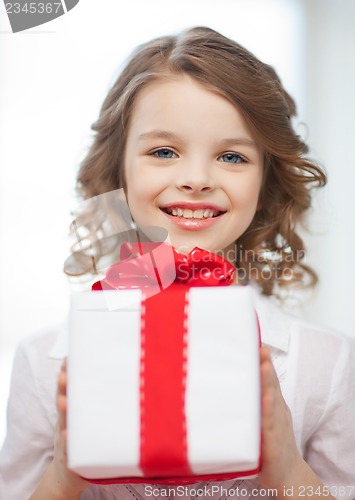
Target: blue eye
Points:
(164, 153)
(232, 158)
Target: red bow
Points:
(203, 268)
(148, 265)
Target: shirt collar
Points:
(274, 327)
(59, 350)
(274, 323)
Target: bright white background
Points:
(53, 80)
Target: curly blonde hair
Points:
(270, 251)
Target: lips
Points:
(193, 216)
(197, 211)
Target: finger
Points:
(64, 443)
(264, 354)
(62, 411)
(270, 388)
(62, 383)
(64, 364)
(268, 374)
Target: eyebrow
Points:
(159, 134)
(244, 141)
(165, 134)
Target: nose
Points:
(195, 178)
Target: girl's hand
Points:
(67, 480)
(282, 466)
(59, 482)
(281, 460)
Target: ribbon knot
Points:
(148, 265)
(203, 268)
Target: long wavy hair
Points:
(270, 251)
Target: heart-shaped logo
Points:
(24, 15)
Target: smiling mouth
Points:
(187, 213)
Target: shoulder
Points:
(34, 353)
(321, 346)
(37, 347)
(317, 359)
(324, 361)
(303, 334)
(325, 365)
(316, 370)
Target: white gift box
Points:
(220, 398)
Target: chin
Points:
(185, 247)
(181, 247)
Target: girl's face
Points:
(191, 166)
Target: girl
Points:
(198, 133)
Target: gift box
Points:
(166, 388)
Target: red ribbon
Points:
(163, 447)
(163, 441)
(138, 268)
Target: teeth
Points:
(187, 213)
(209, 213)
(193, 214)
(198, 214)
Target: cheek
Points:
(141, 192)
(134, 191)
(144, 183)
(142, 189)
(246, 194)
(136, 184)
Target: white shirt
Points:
(316, 370)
